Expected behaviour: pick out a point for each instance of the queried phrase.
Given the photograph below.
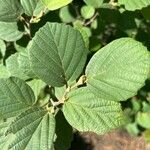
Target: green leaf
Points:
(57, 54)
(59, 91)
(136, 105)
(4, 73)
(39, 9)
(118, 70)
(132, 129)
(87, 11)
(2, 47)
(87, 112)
(9, 31)
(13, 66)
(56, 4)
(63, 140)
(18, 65)
(15, 96)
(133, 5)
(84, 32)
(24, 63)
(3, 139)
(33, 129)
(32, 7)
(143, 119)
(29, 6)
(10, 10)
(94, 3)
(145, 106)
(67, 14)
(36, 86)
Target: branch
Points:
(92, 19)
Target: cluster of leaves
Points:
(51, 79)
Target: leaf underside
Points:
(33, 129)
(118, 70)
(87, 112)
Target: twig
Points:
(92, 19)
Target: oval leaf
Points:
(57, 54)
(87, 11)
(86, 112)
(118, 70)
(15, 96)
